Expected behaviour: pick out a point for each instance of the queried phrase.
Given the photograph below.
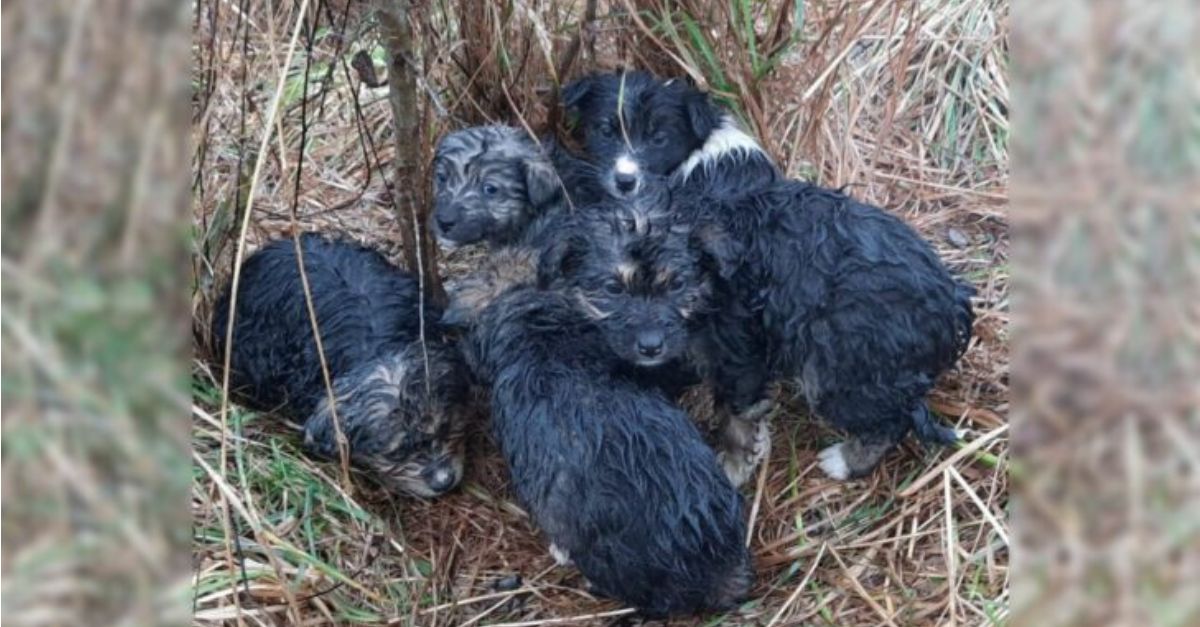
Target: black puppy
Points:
(643, 276)
(400, 423)
(634, 125)
(617, 477)
(834, 293)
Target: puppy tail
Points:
(929, 430)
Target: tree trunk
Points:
(410, 201)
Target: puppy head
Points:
(633, 123)
(489, 182)
(405, 433)
(639, 278)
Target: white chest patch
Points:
(727, 140)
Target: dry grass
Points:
(904, 102)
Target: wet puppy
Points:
(617, 477)
(827, 291)
(398, 404)
(493, 183)
(634, 125)
(644, 278)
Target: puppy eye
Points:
(659, 140)
(614, 287)
(489, 189)
(440, 177)
(677, 284)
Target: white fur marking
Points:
(833, 462)
(728, 139)
(560, 556)
(625, 165)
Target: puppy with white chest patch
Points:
(834, 294)
(634, 125)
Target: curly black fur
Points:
(827, 290)
(367, 311)
(633, 125)
(845, 298)
(641, 275)
(616, 476)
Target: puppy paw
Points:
(833, 462)
(561, 557)
(741, 456)
(757, 411)
(736, 466)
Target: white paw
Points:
(833, 462)
(561, 557)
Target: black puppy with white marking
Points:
(616, 476)
(834, 293)
(635, 125)
(399, 423)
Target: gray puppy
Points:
(490, 183)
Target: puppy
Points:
(491, 183)
(617, 477)
(825, 290)
(633, 124)
(399, 404)
(643, 277)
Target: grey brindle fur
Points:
(490, 182)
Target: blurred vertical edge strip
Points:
(95, 312)
(1106, 229)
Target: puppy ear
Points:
(702, 113)
(720, 253)
(561, 259)
(575, 94)
(542, 185)
(318, 437)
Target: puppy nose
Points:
(650, 343)
(625, 182)
(445, 223)
(440, 478)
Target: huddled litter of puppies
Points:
(670, 253)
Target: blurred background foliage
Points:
(95, 376)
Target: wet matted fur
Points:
(644, 277)
(634, 125)
(492, 182)
(828, 291)
(617, 477)
(400, 424)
